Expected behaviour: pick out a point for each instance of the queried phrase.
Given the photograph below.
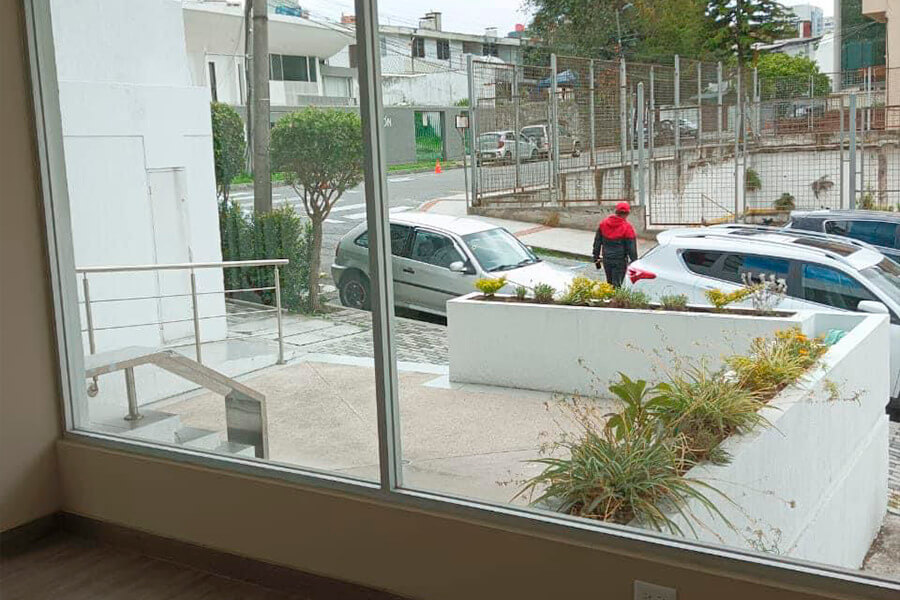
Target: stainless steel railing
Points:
(91, 329)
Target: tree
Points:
(736, 25)
(228, 146)
(782, 76)
(320, 152)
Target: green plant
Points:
(600, 475)
(584, 291)
(543, 293)
(773, 364)
(752, 182)
(629, 298)
(281, 233)
(638, 403)
(228, 145)
(720, 299)
(785, 202)
(320, 151)
(701, 409)
(673, 302)
(521, 292)
(489, 287)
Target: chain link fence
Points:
(693, 142)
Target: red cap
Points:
(622, 207)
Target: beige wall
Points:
(410, 552)
(29, 419)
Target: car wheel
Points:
(354, 291)
(576, 150)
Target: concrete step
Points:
(200, 439)
(153, 426)
(236, 449)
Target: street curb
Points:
(240, 187)
(560, 253)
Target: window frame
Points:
(443, 49)
(417, 47)
(411, 240)
(745, 565)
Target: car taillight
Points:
(635, 274)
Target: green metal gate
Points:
(429, 135)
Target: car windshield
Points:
(498, 250)
(886, 277)
(533, 132)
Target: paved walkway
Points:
(894, 474)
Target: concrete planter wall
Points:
(813, 485)
(577, 349)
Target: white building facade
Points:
(139, 160)
(808, 13)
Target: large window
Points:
(356, 329)
(443, 49)
(284, 67)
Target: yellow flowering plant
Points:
(489, 287)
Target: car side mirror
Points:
(457, 266)
(875, 308)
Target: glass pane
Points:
(701, 262)
(831, 287)
(434, 249)
(201, 357)
(295, 68)
(735, 265)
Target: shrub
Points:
(752, 182)
(673, 302)
(785, 202)
(638, 406)
(720, 299)
(617, 479)
(281, 233)
(552, 220)
(583, 290)
(701, 409)
(228, 145)
(543, 293)
(775, 364)
(521, 292)
(489, 287)
(629, 298)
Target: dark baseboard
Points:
(274, 577)
(15, 540)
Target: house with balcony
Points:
(299, 49)
(426, 65)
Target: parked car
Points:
(502, 146)
(540, 135)
(436, 258)
(878, 228)
(822, 272)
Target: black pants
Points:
(615, 271)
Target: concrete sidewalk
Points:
(576, 243)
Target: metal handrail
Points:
(182, 266)
(192, 267)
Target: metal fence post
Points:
(738, 174)
(844, 202)
(278, 315)
(516, 127)
(757, 101)
(196, 314)
(94, 386)
(642, 165)
(678, 114)
(554, 127)
(592, 112)
(623, 110)
(473, 122)
(851, 171)
(699, 105)
(810, 111)
(719, 107)
(869, 85)
(651, 132)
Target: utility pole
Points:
(262, 177)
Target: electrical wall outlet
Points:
(651, 591)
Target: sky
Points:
(464, 16)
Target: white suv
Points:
(822, 272)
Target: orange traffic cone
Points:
(437, 168)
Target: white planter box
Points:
(813, 485)
(577, 349)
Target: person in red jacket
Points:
(615, 244)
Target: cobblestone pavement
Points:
(416, 341)
(894, 473)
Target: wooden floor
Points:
(66, 567)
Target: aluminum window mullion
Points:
(381, 277)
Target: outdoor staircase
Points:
(245, 415)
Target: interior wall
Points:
(29, 390)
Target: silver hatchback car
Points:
(436, 258)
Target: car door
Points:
(424, 275)
(825, 286)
